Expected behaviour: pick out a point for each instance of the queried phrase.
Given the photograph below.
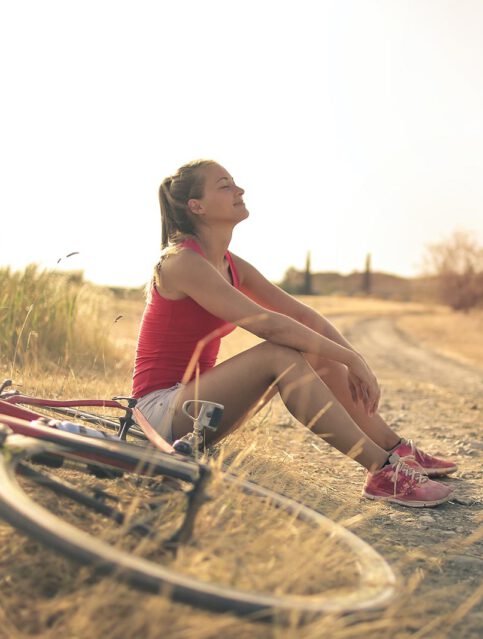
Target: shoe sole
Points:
(410, 504)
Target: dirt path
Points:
(396, 354)
(439, 403)
(436, 552)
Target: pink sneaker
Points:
(432, 466)
(403, 484)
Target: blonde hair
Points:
(176, 219)
(174, 192)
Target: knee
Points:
(280, 355)
(326, 368)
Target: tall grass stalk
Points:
(30, 308)
(53, 318)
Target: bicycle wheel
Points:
(130, 541)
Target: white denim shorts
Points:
(159, 407)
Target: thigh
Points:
(242, 384)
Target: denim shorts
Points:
(159, 407)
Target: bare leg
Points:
(334, 375)
(240, 383)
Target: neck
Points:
(214, 243)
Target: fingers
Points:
(357, 390)
(368, 393)
(353, 391)
(373, 404)
(370, 397)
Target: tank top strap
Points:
(192, 244)
(234, 272)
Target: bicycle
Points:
(30, 437)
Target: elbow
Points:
(273, 328)
(266, 325)
(266, 333)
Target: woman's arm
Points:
(268, 295)
(193, 275)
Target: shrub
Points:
(458, 264)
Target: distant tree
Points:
(307, 277)
(457, 263)
(367, 281)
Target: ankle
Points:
(375, 468)
(392, 447)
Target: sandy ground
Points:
(437, 553)
(438, 402)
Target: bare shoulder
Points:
(175, 268)
(180, 259)
(188, 274)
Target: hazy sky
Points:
(353, 126)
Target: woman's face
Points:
(222, 199)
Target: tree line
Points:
(455, 264)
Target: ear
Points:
(195, 207)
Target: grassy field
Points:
(43, 595)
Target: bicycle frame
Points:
(207, 415)
(109, 452)
(25, 433)
(15, 397)
(131, 415)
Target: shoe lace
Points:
(415, 450)
(414, 475)
(411, 444)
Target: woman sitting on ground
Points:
(200, 289)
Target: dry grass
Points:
(50, 319)
(457, 335)
(357, 306)
(240, 543)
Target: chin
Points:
(241, 218)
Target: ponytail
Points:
(176, 218)
(174, 193)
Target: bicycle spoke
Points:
(232, 539)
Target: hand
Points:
(363, 384)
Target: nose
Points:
(240, 190)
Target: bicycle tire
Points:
(374, 591)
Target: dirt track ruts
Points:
(391, 350)
(438, 401)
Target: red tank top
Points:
(169, 333)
